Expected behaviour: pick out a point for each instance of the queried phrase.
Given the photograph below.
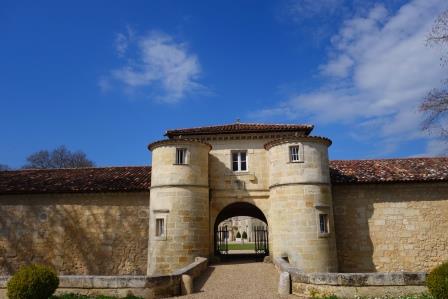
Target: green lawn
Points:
(240, 246)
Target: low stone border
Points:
(121, 286)
(347, 285)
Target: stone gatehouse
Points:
(324, 216)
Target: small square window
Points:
(323, 224)
(294, 154)
(160, 227)
(181, 156)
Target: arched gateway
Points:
(276, 173)
(258, 234)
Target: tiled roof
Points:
(389, 170)
(239, 128)
(107, 179)
(138, 178)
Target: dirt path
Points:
(241, 279)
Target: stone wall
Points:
(180, 199)
(348, 285)
(228, 187)
(299, 193)
(391, 227)
(78, 233)
(186, 228)
(149, 287)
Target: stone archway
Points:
(242, 209)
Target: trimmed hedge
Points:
(437, 281)
(33, 282)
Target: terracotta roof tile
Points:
(107, 179)
(389, 170)
(138, 178)
(239, 128)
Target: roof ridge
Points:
(240, 123)
(392, 159)
(77, 168)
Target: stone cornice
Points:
(179, 186)
(299, 183)
(279, 141)
(178, 141)
(242, 136)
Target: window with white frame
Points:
(239, 161)
(181, 156)
(294, 154)
(323, 224)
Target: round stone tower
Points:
(179, 204)
(301, 215)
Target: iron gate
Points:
(261, 239)
(222, 238)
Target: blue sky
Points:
(108, 77)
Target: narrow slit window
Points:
(239, 161)
(160, 227)
(181, 156)
(323, 224)
(294, 152)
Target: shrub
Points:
(76, 296)
(32, 282)
(244, 235)
(437, 281)
(238, 235)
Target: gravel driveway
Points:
(239, 279)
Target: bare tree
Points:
(439, 34)
(60, 157)
(4, 167)
(435, 104)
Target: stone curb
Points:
(124, 281)
(353, 279)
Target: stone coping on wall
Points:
(158, 285)
(352, 279)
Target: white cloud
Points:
(123, 39)
(161, 63)
(378, 71)
(104, 84)
(436, 147)
(338, 67)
